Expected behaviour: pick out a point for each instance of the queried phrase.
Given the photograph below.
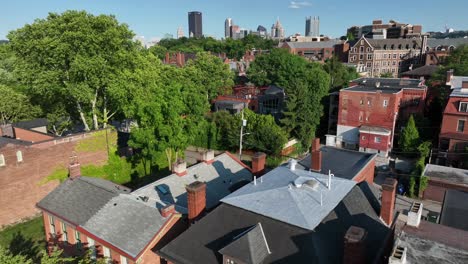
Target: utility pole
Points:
(243, 124)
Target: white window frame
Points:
(107, 254)
(459, 109)
(369, 56)
(92, 247)
(123, 260)
(19, 156)
(2, 160)
(64, 232)
(458, 125)
(378, 140)
(52, 225)
(385, 103)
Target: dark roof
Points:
(77, 200)
(426, 70)
(342, 163)
(126, 222)
(433, 43)
(455, 210)
(372, 194)
(249, 247)
(29, 124)
(288, 244)
(273, 89)
(387, 43)
(5, 141)
(446, 174)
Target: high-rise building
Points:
(227, 27)
(195, 24)
(277, 30)
(180, 32)
(312, 27)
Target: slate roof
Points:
(287, 243)
(457, 81)
(426, 70)
(342, 163)
(277, 196)
(314, 44)
(455, 210)
(382, 43)
(249, 247)
(29, 124)
(126, 222)
(77, 200)
(7, 141)
(447, 174)
(433, 43)
(219, 177)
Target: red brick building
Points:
(371, 108)
(314, 51)
(453, 138)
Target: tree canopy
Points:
(15, 106)
(305, 84)
(409, 139)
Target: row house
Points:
(453, 138)
(386, 56)
(371, 109)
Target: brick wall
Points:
(28, 135)
(367, 140)
(23, 184)
(435, 190)
(367, 173)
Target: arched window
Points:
(407, 46)
(384, 47)
(2, 160)
(19, 156)
(399, 46)
(393, 46)
(368, 49)
(451, 48)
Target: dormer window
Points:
(19, 156)
(463, 107)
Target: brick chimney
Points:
(355, 246)
(74, 170)
(388, 200)
(208, 156)
(167, 210)
(258, 163)
(196, 200)
(316, 156)
(180, 168)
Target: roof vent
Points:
(292, 164)
(398, 256)
(377, 84)
(313, 184)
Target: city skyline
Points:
(154, 20)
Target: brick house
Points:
(438, 50)
(382, 56)
(25, 166)
(314, 51)
(292, 215)
(453, 138)
(371, 108)
(442, 179)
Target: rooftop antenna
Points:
(330, 175)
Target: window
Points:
(19, 156)
(361, 102)
(462, 108)
(385, 103)
(64, 232)
(369, 102)
(361, 56)
(363, 137)
(92, 247)
(123, 260)
(52, 224)
(377, 140)
(368, 49)
(369, 56)
(461, 125)
(394, 56)
(2, 160)
(367, 119)
(369, 64)
(78, 240)
(107, 254)
(362, 42)
(360, 118)
(361, 49)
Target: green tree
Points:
(305, 85)
(15, 106)
(409, 139)
(340, 75)
(7, 258)
(386, 75)
(74, 59)
(158, 51)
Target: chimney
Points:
(464, 84)
(7, 131)
(167, 210)
(398, 256)
(258, 163)
(74, 170)
(180, 168)
(208, 156)
(354, 246)
(388, 200)
(316, 156)
(449, 77)
(196, 200)
(414, 214)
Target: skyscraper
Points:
(227, 27)
(312, 27)
(195, 24)
(277, 30)
(180, 32)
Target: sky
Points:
(154, 18)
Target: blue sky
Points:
(154, 18)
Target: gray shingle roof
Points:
(433, 43)
(77, 200)
(387, 43)
(342, 163)
(219, 176)
(447, 174)
(455, 210)
(277, 196)
(426, 70)
(249, 247)
(287, 243)
(127, 223)
(7, 141)
(38, 122)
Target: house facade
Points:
(371, 109)
(453, 138)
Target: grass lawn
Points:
(31, 231)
